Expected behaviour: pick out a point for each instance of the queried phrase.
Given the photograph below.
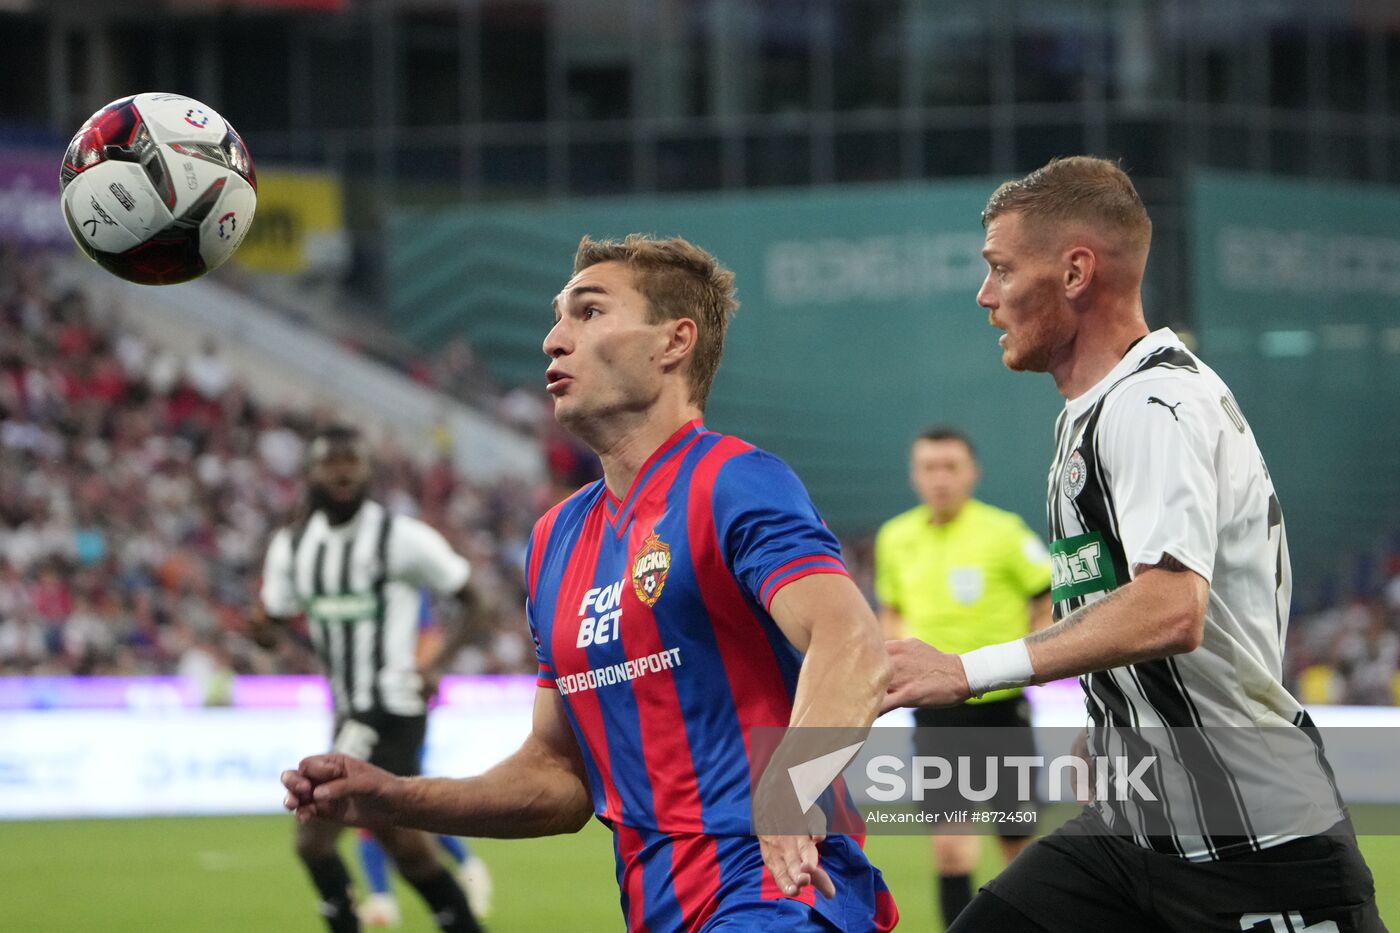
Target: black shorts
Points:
(394, 743)
(1082, 877)
(979, 731)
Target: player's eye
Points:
(590, 312)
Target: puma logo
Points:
(1154, 400)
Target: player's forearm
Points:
(269, 632)
(1161, 613)
(1128, 626)
(473, 612)
(839, 691)
(521, 797)
(454, 639)
(843, 676)
(263, 633)
(845, 669)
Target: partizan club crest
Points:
(649, 569)
(1075, 476)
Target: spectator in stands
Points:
(137, 492)
(207, 372)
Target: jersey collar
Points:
(348, 529)
(619, 510)
(968, 507)
(1139, 351)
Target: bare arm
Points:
(272, 633)
(473, 613)
(540, 790)
(1159, 614)
(262, 628)
(265, 625)
(845, 670)
(842, 681)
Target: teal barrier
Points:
(858, 325)
(1297, 301)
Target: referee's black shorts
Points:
(979, 731)
(394, 743)
(1082, 877)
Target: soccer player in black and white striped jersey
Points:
(1171, 588)
(357, 573)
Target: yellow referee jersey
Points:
(965, 584)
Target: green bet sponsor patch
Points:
(1080, 565)
(347, 608)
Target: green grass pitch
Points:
(239, 875)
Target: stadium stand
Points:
(138, 487)
(1348, 649)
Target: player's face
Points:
(1024, 293)
(943, 473)
(340, 473)
(602, 348)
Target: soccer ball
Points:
(158, 188)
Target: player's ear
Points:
(1079, 268)
(681, 335)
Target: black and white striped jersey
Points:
(1157, 460)
(360, 585)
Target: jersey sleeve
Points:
(1028, 560)
(421, 556)
(1159, 443)
(545, 675)
(279, 596)
(533, 554)
(768, 528)
(886, 571)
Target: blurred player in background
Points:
(960, 574)
(356, 572)
(1171, 590)
(689, 597)
(381, 908)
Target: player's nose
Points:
(556, 341)
(985, 297)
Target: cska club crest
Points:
(649, 569)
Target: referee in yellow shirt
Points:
(960, 574)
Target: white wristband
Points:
(998, 667)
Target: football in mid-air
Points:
(158, 188)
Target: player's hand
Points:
(260, 628)
(921, 675)
(794, 862)
(429, 680)
(341, 789)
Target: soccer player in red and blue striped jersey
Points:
(687, 599)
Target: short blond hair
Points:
(678, 280)
(1077, 188)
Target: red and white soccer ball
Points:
(158, 188)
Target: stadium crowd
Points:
(1348, 649)
(138, 490)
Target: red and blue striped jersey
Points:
(650, 617)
